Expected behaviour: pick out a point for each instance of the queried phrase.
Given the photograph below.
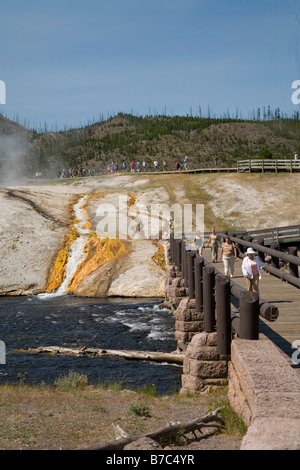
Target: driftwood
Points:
(210, 420)
(94, 352)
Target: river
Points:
(59, 319)
(69, 321)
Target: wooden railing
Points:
(291, 258)
(213, 293)
(280, 235)
(268, 165)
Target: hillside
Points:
(126, 137)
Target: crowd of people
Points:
(75, 173)
(180, 165)
(137, 166)
(134, 166)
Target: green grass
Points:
(71, 381)
(139, 409)
(234, 424)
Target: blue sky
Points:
(69, 62)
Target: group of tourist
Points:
(251, 265)
(75, 173)
(138, 166)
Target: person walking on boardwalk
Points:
(198, 243)
(251, 267)
(186, 161)
(228, 255)
(213, 243)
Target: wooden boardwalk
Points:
(286, 329)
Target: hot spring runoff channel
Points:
(74, 322)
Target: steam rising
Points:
(14, 162)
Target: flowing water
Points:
(76, 251)
(69, 321)
(58, 319)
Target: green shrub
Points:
(70, 381)
(139, 409)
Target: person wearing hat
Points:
(251, 267)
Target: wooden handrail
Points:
(267, 164)
(291, 259)
(264, 249)
(212, 290)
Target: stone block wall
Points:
(188, 323)
(265, 390)
(202, 365)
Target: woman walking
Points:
(228, 254)
(213, 243)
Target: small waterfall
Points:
(76, 251)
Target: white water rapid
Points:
(76, 251)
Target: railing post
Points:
(223, 314)
(172, 244)
(191, 273)
(184, 264)
(261, 254)
(199, 265)
(208, 299)
(292, 250)
(178, 248)
(240, 248)
(274, 259)
(186, 267)
(249, 315)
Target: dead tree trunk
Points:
(94, 352)
(210, 420)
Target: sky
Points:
(66, 63)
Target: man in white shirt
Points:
(251, 267)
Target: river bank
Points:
(74, 415)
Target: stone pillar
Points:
(174, 289)
(202, 365)
(188, 323)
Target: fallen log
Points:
(96, 352)
(210, 420)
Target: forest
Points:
(267, 134)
